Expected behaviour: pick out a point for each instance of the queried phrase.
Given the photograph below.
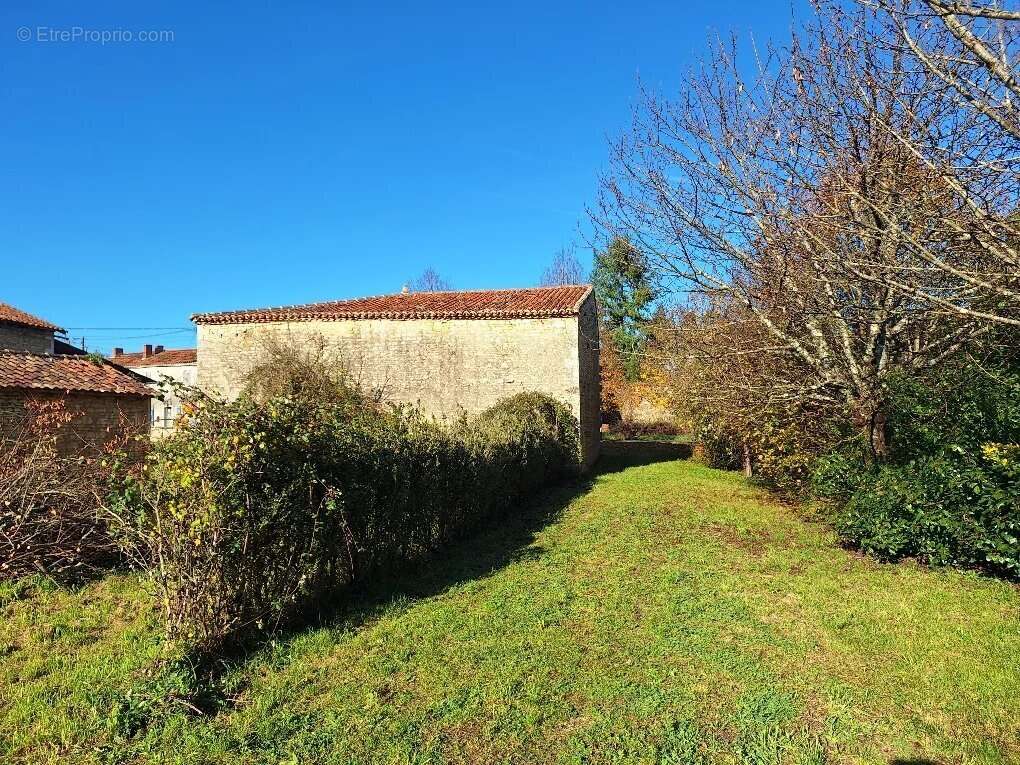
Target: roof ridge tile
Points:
(521, 302)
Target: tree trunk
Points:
(878, 435)
(748, 467)
(870, 417)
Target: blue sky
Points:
(293, 152)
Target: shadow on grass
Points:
(619, 455)
(505, 540)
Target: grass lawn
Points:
(668, 614)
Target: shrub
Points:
(51, 516)
(229, 514)
(781, 444)
(784, 449)
(949, 492)
(255, 509)
(717, 446)
(942, 511)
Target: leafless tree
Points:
(970, 48)
(564, 269)
(969, 140)
(429, 281)
(793, 209)
(52, 495)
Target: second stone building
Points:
(449, 352)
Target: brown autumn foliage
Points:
(803, 208)
(613, 379)
(52, 515)
(644, 405)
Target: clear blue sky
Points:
(293, 152)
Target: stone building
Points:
(20, 331)
(449, 352)
(160, 364)
(106, 403)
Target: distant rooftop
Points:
(11, 315)
(71, 373)
(159, 357)
(530, 303)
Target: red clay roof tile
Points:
(37, 371)
(531, 303)
(11, 315)
(169, 357)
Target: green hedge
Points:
(256, 508)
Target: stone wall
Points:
(15, 338)
(588, 368)
(98, 419)
(446, 366)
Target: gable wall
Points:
(15, 338)
(446, 366)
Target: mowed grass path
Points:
(668, 614)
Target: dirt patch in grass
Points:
(754, 542)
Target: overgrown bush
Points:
(51, 503)
(716, 445)
(778, 446)
(257, 508)
(949, 492)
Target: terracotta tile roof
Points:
(37, 371)
(532, 303)
(169, 357)
(11, 315)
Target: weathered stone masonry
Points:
(29, 339)
(98, 419)
(447, 366)
(21, 331)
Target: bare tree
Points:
(968, 138)
(791, 210)
(970, 48)
(564, 269)
(429, 281)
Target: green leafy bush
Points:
(949, 492)
(941, 510)
(256, 508)
(717, 446)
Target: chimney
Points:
(147, 350)
(118, 352)
(158, 349)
